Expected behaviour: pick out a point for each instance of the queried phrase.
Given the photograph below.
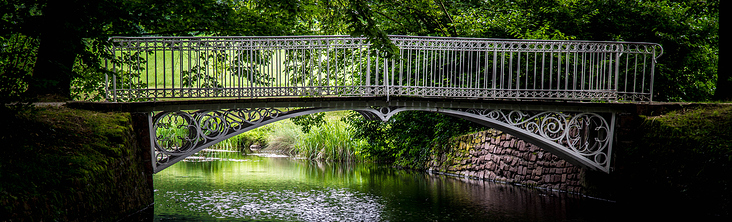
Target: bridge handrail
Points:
(151, 68)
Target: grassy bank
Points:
(69, 165)
(680, 162)
(330, 140)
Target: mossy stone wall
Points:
(65, 164)
(494, 155)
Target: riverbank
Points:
(64, 164)
(675, 163)
(678, 163)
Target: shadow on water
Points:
(229, 186)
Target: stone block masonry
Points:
(494, 155)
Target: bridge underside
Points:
(580, 133)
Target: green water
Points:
(232, 187)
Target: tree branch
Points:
(452, 22)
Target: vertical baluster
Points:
(485, 68)
(327, 65)
(510, 78)
(143, 49)
(566, 71)
(543, 66)
(495, 70)
(401, 70)
(179, 43)
(426, 73)
(574, 74)
(526, 73)
(559, 68)
(583, 70)
(385, 79)
(114, 77)
(368, 69)
(377, 72)
(653, 68)
(409, 70)
(616, 73)
(470, 75)
(551, 68)
(643, 81)
(625, 75)
(360, 65)
(502, 83)
(518, 72)
(441, 55)
(536, 60)
(461, 71)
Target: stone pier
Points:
(497, 156)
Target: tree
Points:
(69, 42)
(723, 91)
(408, 137)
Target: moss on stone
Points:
(681, 160)
(70, 165)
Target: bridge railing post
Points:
(617, 75)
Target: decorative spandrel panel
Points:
(182, 133)
(582, 138)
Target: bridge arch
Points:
(581, 138)
(176, 135)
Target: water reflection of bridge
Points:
(560, 95)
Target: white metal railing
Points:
(150, 68)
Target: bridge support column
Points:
(142, 124)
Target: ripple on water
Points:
(314, 205)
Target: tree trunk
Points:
(59, 42)
(724, 78)
(724, 85)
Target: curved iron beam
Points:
(583, 139)
(201, 130)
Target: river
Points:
(230, 186)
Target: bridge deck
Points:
(380, 101)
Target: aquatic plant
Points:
(332, 141)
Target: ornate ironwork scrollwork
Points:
(179, 134)
(586, 134)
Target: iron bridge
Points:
(559, 95)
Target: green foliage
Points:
(408, 137)
(247, 139)
(687, 29)
(283, 136)
(17, 56)
(330, 141)
(309, 121)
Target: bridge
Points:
(563, 96)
